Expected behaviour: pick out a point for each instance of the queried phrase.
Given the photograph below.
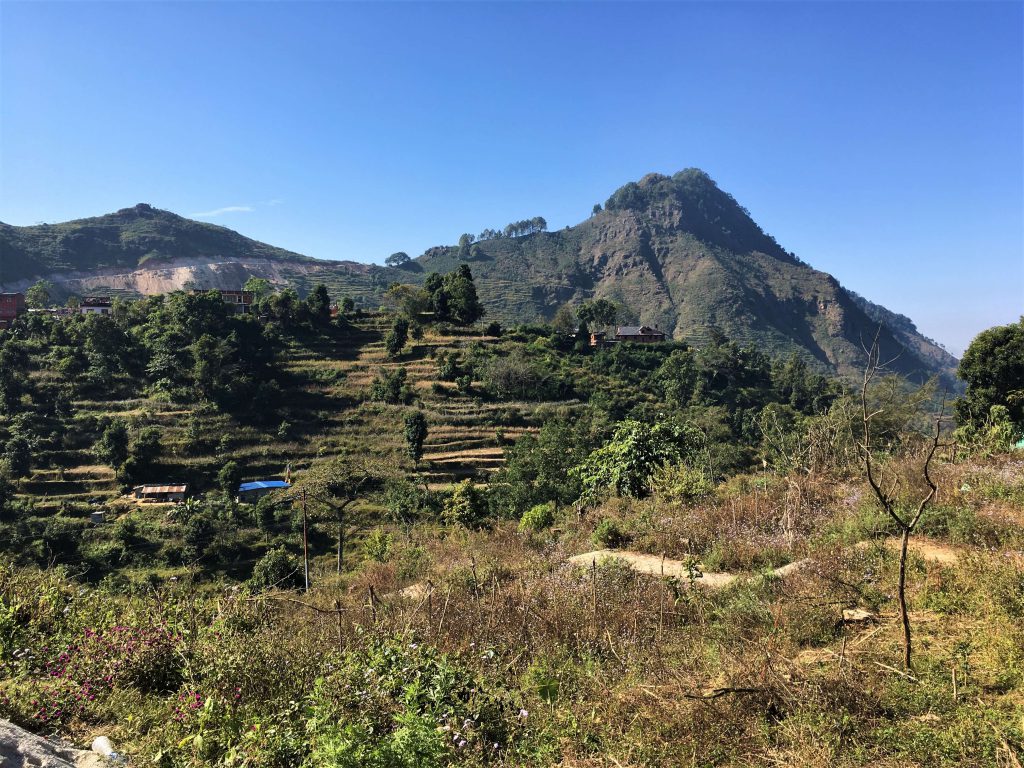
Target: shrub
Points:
(465, 506)
(537, 518)
(378, 545)
(390, 387)
(275, 569)
(609, 535)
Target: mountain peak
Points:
(141, 211)
(691, 202)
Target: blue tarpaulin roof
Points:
(257, 485)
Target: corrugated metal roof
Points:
(256, 485)
(637, 330)
(162, 488)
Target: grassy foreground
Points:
(447, 646)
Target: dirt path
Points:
(656, 566)
(926, 549)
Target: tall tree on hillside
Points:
(598, 313)
(259, 287)
(38, 295)
(464, 305)
(228, 478)
(397, 260)
(396, 338)
(415, 434)
(337, 483)
(319, 304)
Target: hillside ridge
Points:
(676, 252)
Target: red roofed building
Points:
(11, 305)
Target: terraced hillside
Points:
(326, 414)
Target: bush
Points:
(378, 545)
(390, 387)
(465, 506)
(609, 535)
(679, 482)
(537, 518)
(275, 569)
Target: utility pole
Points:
(305, 542)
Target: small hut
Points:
(161, 493)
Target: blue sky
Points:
(882, 142)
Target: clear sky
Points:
(882, 142)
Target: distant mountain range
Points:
(675, 251)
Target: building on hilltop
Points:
(257, 489)
(161, 493)
(95, 305)
(639, 334)
(11, 305)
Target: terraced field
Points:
(326, 411)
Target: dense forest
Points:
(522, 549)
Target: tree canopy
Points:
(993, 367)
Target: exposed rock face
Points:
(21, 749)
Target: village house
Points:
(161, 493)
(95, 305)
(11, 305)
(257, 489)
(239, 301)
(639, 334)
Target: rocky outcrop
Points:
(21, 749)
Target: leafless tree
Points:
(906, 521)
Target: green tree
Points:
(336, 484)
(395, 339)
(564, 322)
(537, 468)
(596, 209)
(406, 503)
(390, 387)
(38, 294)
(628, 462)
(229, 478)
(259, 287)
(993, 367)
(677, 377)
(18, 456)
(411, 300)
(319, 304)
(397, 260)
(599, 313)
(463, 304)
(347, 304)
(112, 447)
(415, 434)
(211, 367)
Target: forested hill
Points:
(675, 252)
